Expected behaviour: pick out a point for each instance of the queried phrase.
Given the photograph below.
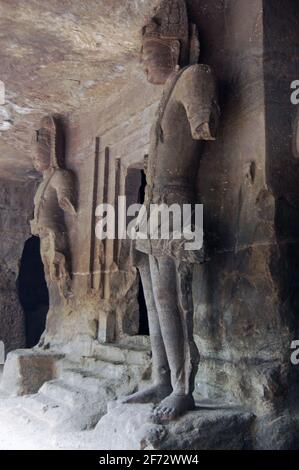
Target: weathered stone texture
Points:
(126, 136)
(132, 427)
(16, 207)
(25, 371)
(64, 58)
(246, 295)
(243, 336)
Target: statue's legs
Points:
(172, 288)
(44, 252)
(52, 248)
(161, 372)
(167, 288)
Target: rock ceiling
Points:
(61, 56)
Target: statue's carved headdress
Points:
(51, 126)
(171, 22)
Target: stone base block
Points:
(131, 427)
(26, 370)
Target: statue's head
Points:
(50, 144)
(165, 41)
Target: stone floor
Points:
(79, 409)
(75, 397)
(211, 428)
(17, 433)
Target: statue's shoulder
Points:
(193, 78)
(62, 177)
(197, 70)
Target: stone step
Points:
(20, 414)
(40, 410)
(139, 342)
(85, 380)
(104, 388)
(106, 369)
(66, 394)
(43, 408)
(122, 354)
(75, 389)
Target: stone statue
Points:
(188, 114)
(55, 197)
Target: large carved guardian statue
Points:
(188, 114)
(54, 198)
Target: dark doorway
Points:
(135, 192)
(33, 291)
(143, 320)
(141, 193)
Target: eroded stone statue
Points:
(188, 114)
(55, 197)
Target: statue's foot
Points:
(173, 406)
(153, 394)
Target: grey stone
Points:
(131, 427)
(26, 370)
(67, 395)
(246, 295)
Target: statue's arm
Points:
(197, 91)
(65, 188)
(34, 221)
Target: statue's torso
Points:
(174, 154)
(174, 158)
(47, 213)
(188, 102)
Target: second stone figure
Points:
(54, 198)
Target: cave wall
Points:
(245, 295)
(16, 208)
(243, 312)
(101, 148)
(244, 301)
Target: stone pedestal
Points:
(26, 370)
(131, 427)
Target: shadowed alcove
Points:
(135, 192)
(33, 291)
(143, 320)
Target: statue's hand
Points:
(61, 276)
(204, 132)
(58, 268)
(33, 227)
(67, 206)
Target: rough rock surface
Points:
(26, 370)
(15, 212)
(62, 57)
(69, 395)
(131, 427)
(80, 58)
